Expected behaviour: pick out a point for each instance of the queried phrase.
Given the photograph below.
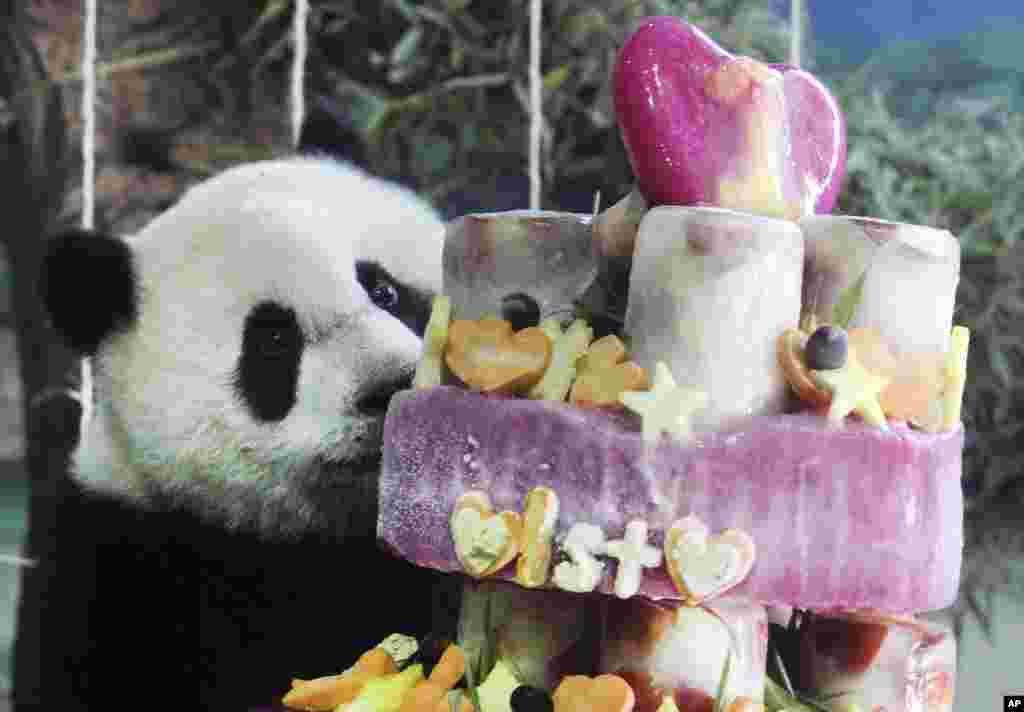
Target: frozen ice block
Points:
(680, 652)
(709, 293)
(542, 635)
(905, 666)
(896, 277)
(548, 256)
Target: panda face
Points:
(273, 312)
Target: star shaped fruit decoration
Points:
(666, 407)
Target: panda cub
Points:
(244, 348)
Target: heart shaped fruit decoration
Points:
(704, 566)
(485, 541)
(703, 127)
(488, 356)
(604, 693)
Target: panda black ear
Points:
(88, 286)
(327, 130)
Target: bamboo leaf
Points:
(846, 305)
(722, 682)
(405, 49)
(554, 79)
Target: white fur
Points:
(168, 419)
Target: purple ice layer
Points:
(849, 518)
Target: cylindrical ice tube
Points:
(896, 277)
(542, 635)
(548, 256)
(680, 651)
(709, 293)
(893, 285)
(896, 666)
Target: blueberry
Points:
(531, 699)
(826, 349)
(520, 310)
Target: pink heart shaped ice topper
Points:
(703, 127)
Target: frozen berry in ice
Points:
(531, 699)
(827, 349)
(520, 310)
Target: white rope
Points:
(796, 31)
(300, 38)
(536, 110)
(89, 116)
(89, 31)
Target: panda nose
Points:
(378, 395)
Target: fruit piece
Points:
(485, 542)
(744, 704)
(709, 293)
(399, 648)
(426, 696)
(435, 338)
(450, 668)
(540, 512)
(527, 698)
(384, 694)
(854, 390)
(583, 572)
(377, 661)
(939, 692)
(606, 351)
(326, 693)
(603, 377)
(604, 693)
(826, 349)
(489, 357)
(549, 256)
(704, 566)
(429, 693)
(495, 692)
(666, 408)
(704, 127)
(956, 376)
(552, 328)
(791, 358)
(634, 555)
(568, 347)
(667, 705)
(915, 379)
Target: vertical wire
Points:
(88, 110)
(300, 38)
(796, 31)
(89, 116)
(536, 110)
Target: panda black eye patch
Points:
(409, 306)
(267, 374)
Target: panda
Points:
(220, 538)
